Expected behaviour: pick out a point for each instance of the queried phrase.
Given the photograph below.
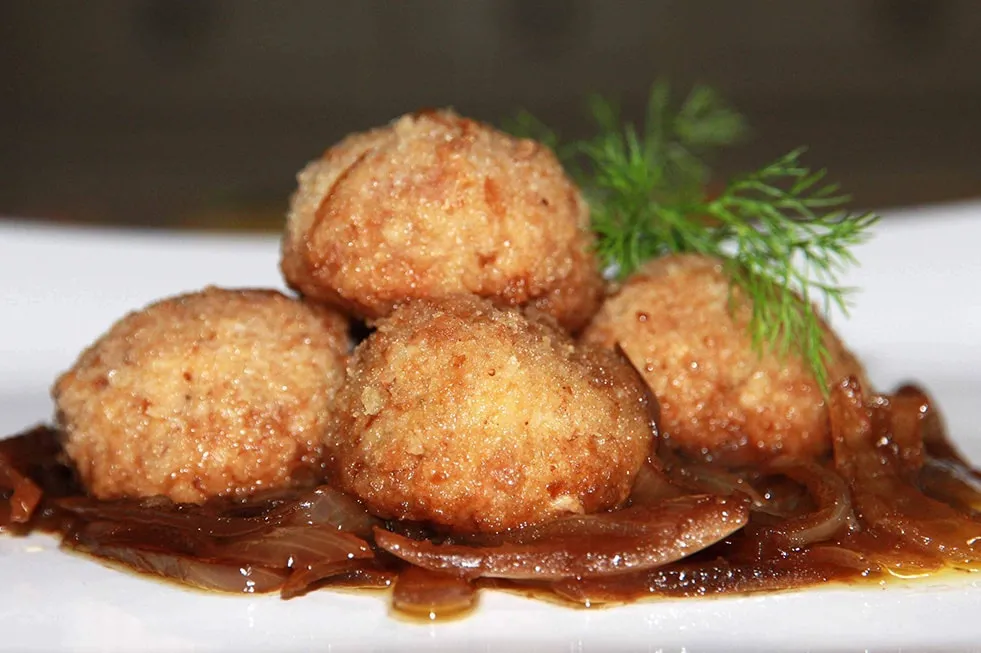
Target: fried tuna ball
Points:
(719, 399)
(435, 205)
(477, 419)
(219, 392)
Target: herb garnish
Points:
(782, 231)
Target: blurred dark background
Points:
(199, 113)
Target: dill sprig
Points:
(782, 231)
(786, 238)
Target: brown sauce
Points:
(925, 523)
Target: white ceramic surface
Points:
(918, 317)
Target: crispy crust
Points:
(475, 418)
(435, 205)
(719, 399)
(220, 392)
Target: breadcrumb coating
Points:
(434, 205)
(478, 419)
(218, 392)
(719, 399)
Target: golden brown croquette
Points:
(719, 399)
(219, 392)
(435, 205)
(478, 419)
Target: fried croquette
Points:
(219, 392)
(720, 399)
(475, 418)
(435, 205)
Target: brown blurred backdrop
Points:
(173, 112)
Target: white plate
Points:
(919, 317)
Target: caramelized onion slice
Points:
(882, 493)
(354, 571)
(830, 493)
(198, 573)
(294, 547)
(707, 479)
(38, 447)
(653, 486)
(640, 520)
(289, 548)
(26, 495)
(325, 505)
(430, 594)
(951, 482)
(366, 574)
(838, 556)
(320, 506)
(674, 529)
(300, 555)
(936, 441)
(902, 416)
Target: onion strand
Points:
(675, 529)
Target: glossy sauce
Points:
(210, 546)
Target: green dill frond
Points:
(667, 154)
(640, 182)
(782, 231)
(705, 121)
(790, 234)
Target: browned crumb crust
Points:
(719, 399)
(475, 418)
(219, 392)
(436, 205)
